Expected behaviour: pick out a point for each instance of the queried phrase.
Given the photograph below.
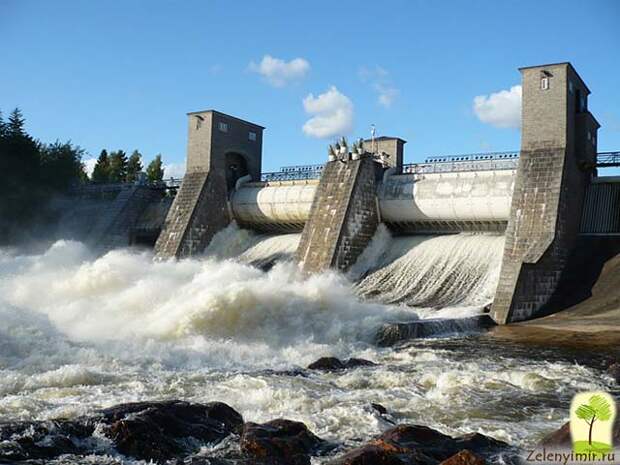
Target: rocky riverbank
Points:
(178, 432)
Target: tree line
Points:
(33, 172)
(117, 167)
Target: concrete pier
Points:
(558, 155)
(343, 217)
(221, 149)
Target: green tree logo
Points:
(597, 413)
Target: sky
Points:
(443, 75)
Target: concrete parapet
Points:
(343, 216)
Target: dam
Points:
(536, 207)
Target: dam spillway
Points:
(532, 199)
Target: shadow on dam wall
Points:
(590, 284)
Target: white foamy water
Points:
(79, 333)
(259, 250)
(438, 271)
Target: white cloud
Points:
(501, 109)
(387, 94)
(379, 79)
(332, 114)
(89, 165)
(174, 170)
(278, 72)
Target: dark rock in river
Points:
(418, 445)
(160, 431)
(280, 442)
(333, 363)
(44, 440)
(392, 333)
(465, 457)
(614, 372)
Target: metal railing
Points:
(459, 163)
(608, 159)
(294, 173)
(473, 157)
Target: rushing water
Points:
(78, 333)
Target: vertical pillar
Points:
(554, 171)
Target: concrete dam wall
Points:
(424, 203)
(529, 211)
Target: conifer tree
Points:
(15, 125)
(155, 170)
(118, 166)
(134, 166)
(101, 172)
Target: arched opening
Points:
(236, 167)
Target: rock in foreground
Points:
(160, 431)
(156, 431)
(280, 442)
(420, 445)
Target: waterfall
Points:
(246, 246)
(435, 271)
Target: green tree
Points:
(155, 170)
(134, 166)
(20, 195)
(597, 409)
(118, 166)
(15, 125)
(2, 126)
(101, 171)
(61, 165)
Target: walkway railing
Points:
(608, 159)
(495, 161)
(293, 173)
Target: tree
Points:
(61, 165)
(101, 172)
(2, 126)
(134, 166)
(118, 166)
(15, 126)
(597, 409)
(155, 170)
(20, 195)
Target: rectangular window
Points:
(223, 127)
(252, 136)
(571, 87)
(544, 83)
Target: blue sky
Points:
(122, 74)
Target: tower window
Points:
(252, 136)
(544, 82)
(222, 127)
(571, 87)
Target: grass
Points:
(582, 447)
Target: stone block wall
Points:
(550, 187)
(197, 213)
(343, 217)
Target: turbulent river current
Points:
(79, 332)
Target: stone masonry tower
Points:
(220, 150)
(558, 156)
